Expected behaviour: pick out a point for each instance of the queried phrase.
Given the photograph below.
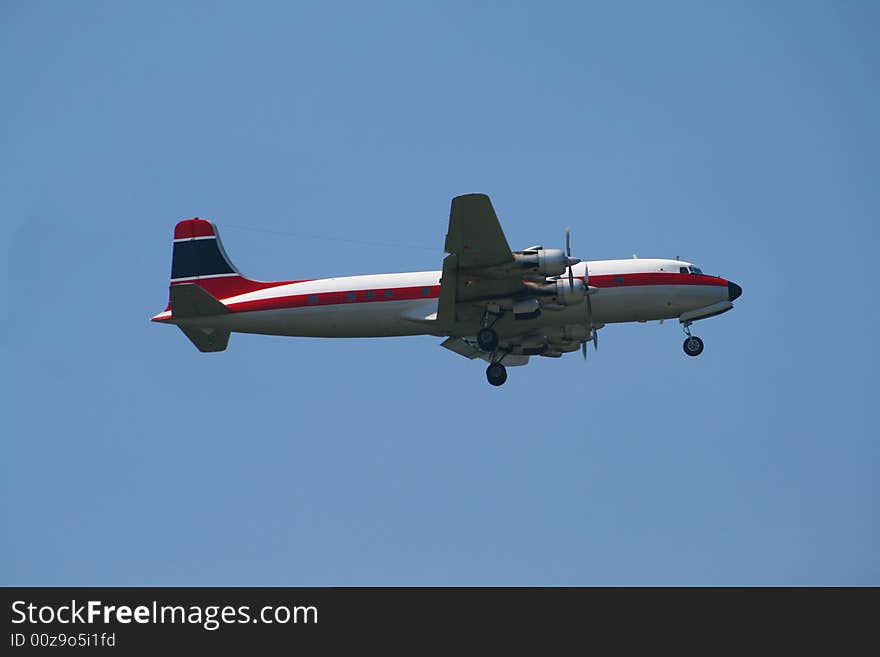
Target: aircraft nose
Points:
(733, 291)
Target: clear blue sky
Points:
(740, 136)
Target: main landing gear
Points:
(693, 346)
(496, 373)
(487, 339)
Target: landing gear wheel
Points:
(487, 338)
(693, 346)
(496, 373)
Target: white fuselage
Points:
(633, 290)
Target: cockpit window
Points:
(682, 270)
(696, 270)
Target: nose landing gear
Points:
(693, 346)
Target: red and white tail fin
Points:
(201, 276)
(199, 258)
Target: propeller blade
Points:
(594, 334)
(568, 255)
(584, 349)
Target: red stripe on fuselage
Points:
(338, 298)
(433, 291)
(653, 278)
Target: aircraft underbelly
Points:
(363, 320)
(395, 318)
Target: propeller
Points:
(594, 334)
(568, 256)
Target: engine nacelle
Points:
(573, 333)
(550, 262)
(560, 291)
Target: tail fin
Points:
(198, 252)
(199, 258)
(202, 275)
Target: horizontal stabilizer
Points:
(207, 339)
(190, 300)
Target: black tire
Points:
(693, 346)
(496, 373)
(487, 338)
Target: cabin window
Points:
(349, 296)
(389, 294)
(618, 280)
(682, 270)
(313, 298)
(426, 291)
(370, 294)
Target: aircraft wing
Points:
(483, 281)
(475, 235)
(480, 266)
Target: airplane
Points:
(488, 301)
